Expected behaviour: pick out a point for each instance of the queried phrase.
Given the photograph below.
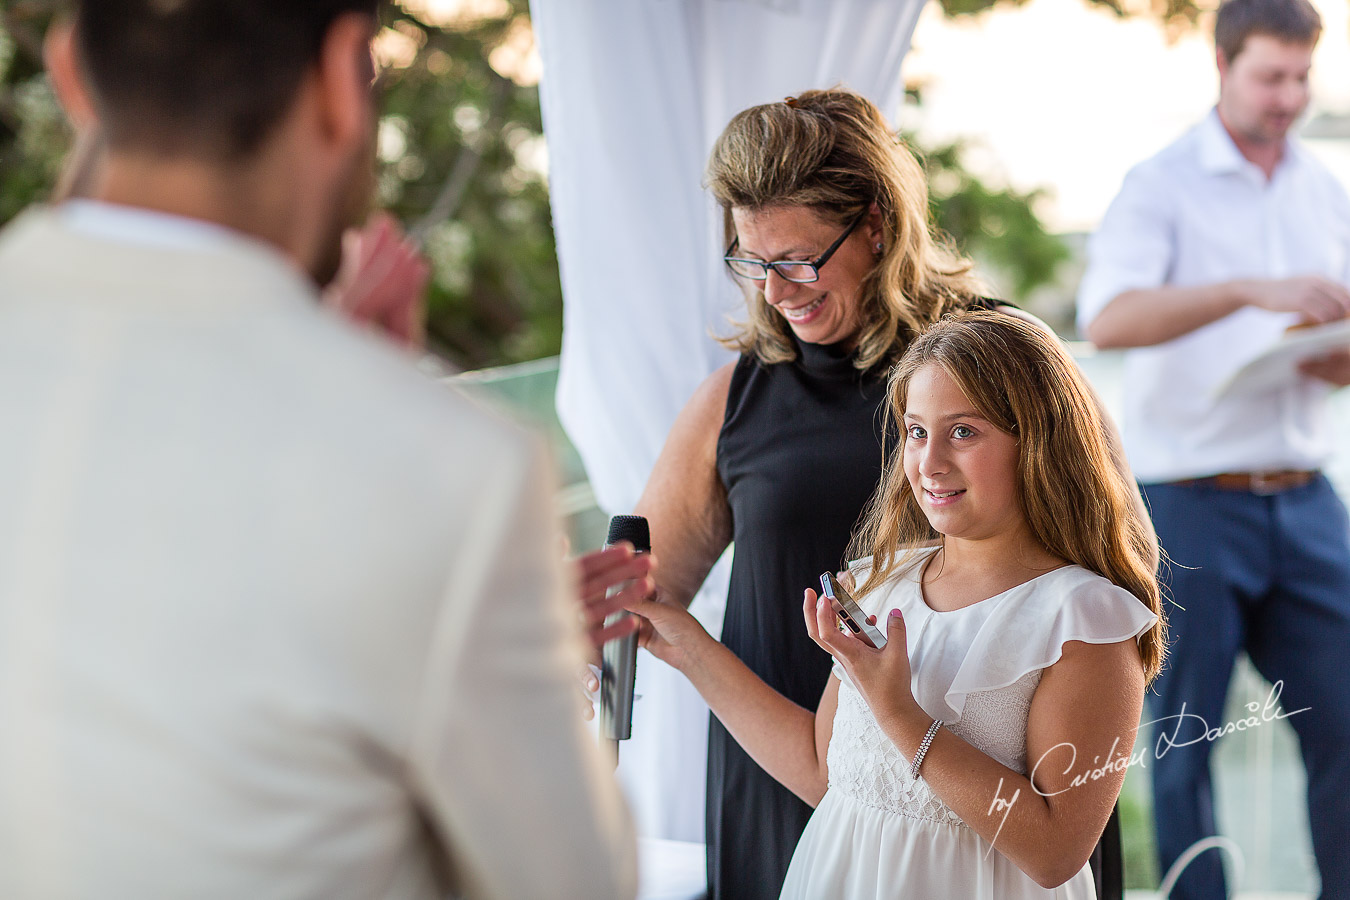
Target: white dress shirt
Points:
(1199, 213)
(279, 617)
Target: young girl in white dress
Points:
(979, 753)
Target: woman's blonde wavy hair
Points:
(833, 151)
(1076, 502)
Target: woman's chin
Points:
(817, 333)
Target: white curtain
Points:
(634, 92)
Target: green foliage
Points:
(464, 172)
(998, 227)
(461, 164)
(33, 134)
(1136, 834)
(1177, 15)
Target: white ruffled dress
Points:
(880, 833)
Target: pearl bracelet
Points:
(923, 748)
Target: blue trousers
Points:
(1271, 575)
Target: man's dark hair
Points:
(206, 77)
(1291, 21)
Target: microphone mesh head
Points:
(632, 529)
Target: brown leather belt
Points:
(1254, 482)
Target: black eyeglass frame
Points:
(814, 265)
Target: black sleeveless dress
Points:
(800, 455)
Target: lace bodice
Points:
(865, 765)
(976, 668)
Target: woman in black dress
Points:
(826, 216)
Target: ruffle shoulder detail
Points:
(1025, 629)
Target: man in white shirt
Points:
(278, 616)
(1212, 249)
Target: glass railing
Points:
(1259, 778)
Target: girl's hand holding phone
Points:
(881, 676)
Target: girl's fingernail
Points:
(820, 604)
(895, 613)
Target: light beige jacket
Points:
(278, 616)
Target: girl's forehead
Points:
(931, 388)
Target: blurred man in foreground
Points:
(277, 615)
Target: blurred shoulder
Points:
(1178, 162)
(706, 407)
(369, 397)
(712, 391)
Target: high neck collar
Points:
(826, 360)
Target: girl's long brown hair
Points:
(833, 152)
(1076, 502)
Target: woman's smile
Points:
(802, 314)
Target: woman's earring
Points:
(878, 246)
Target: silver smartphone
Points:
(850, 614)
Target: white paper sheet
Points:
(1278, 366)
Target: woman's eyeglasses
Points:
(798, 271)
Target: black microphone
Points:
(619, 656)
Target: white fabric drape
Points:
(634, 92)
